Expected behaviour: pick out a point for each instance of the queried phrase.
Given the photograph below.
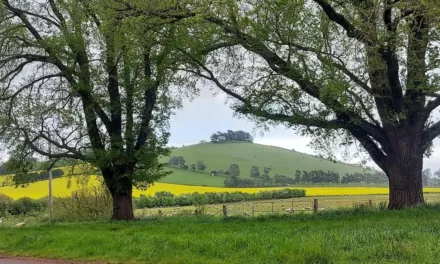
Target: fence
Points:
(258, 208)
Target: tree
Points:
(266, 171)
(177, 162)
(234, 171)
(201, 165)
(364, 70)
(193, 167)
(91, 82)
(297, 176)
(231, 136)
(255, 173)
(426, 177)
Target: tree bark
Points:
(405, 171)
(122, 206)
(121, 188)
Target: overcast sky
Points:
(206, 114)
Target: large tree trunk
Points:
(122, 206)
(121, 189)
(405, 172)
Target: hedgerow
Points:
(165, 199)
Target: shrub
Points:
(25, 205)
(164, 199)
(5, 203)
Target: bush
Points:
(164, 199)
(5, 203)
(25, 205)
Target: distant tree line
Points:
(30, 177)
(429, 178)
(304, 177)
(264, 178)
(179, 163)
(33, 164)
(231, 136)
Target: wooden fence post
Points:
(225, 211)
(315, 205)
(370, 203)
(272, 207)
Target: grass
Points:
(246, 155)
(344, 236)
(187, 177)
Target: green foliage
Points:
(122, 129)
(26, 205)
(166, 199)
(5, 204)
(201, 165)
(234, 171)
(178, 162)
(255, 173)
(23, 179)
(231, 136)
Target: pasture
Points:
(221, 156)
(344, 236)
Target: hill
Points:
(221, 156)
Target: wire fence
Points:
(287, 206)
(258, 208)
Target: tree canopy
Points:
(231, 136)
(355, 73)
(81, 80)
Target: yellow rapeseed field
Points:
(40, 189)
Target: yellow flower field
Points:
(40, 189)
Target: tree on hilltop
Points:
(231, 136)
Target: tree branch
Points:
(339, 19)
(430, 134)
(150, 97)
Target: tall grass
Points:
(90, 203)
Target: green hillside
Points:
(246, 155)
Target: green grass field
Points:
(246, 155)
(347, 236)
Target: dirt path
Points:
(18, 260)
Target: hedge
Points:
(167, 199)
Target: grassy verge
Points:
(347, 236)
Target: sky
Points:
(198, 119)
